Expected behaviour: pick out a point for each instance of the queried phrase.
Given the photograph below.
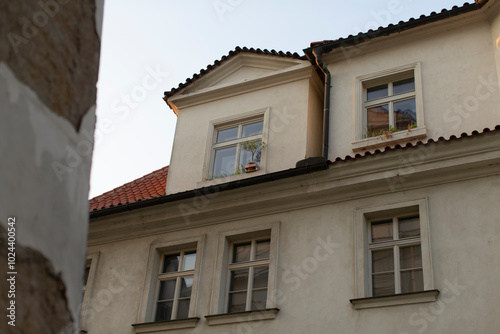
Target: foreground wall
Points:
(49, 59)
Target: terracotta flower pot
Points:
(251, 167)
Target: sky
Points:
(151, 46)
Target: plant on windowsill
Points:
(388, 133)
(253, 146)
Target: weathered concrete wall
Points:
(49, 58)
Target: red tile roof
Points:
(149, 186)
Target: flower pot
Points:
(251, 167)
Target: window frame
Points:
(220, 289)
(362, 83)
(229, 122)
(91, 262)
(147, 309)
(363, 285)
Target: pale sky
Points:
(151, 46)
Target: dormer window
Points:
(229, 157)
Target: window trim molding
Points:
(238, 317)
(361, 251)
(148, 299)
(220, 280)
(222, 122)
(394, 300)
(93, 258)
(360, 143)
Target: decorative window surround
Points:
(215, 125)
(91, 263)
(394, 300)
(363, 283)
(360, 143)
(220, 289)
(145, 322)
(231, 318)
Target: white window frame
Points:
(228, 122)
(359, 142)
(146, 318)
(363, 270)
(91, 262)
(219, 301)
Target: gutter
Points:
(318, 52)
(302, 170)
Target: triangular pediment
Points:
(243, 67)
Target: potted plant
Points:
(252, 146)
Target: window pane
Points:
(376, 92)
(164, 311)
(183, 309)
(382, 260)
(260, 275)
(224, 161)
(237, 302)
(252, 129)
(167, 290)
(259, 299)
(405, 114)
(409, 227)
(263, 247)
(377, 120)
(189, 261)
(383, 284)
(382, 231)
(403, 86)
(241, 252)
(171, 263)
(412, 280)
(246, 156)
(86, 275)
(186, 286)
(410, 257)
(239, 280)
(227, 134)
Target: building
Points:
(374, 208)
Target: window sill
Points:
(231, 318)
(393, 300)
(220, 180)
(159, 326)
(394, 138)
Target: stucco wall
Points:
(48, 70)
(314, 291)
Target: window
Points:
(170, 294)
(389, 107)
(248, 275)
(396, 256)
(245, 277)
(393, 262)
(229, 158)
(175, 283)
(88, 280)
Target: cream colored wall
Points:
(459, 80)
(495, 37)
(314, 292)
(315, 123)
(286, 142)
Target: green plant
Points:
(253, 146)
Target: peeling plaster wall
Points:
(46, 145)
